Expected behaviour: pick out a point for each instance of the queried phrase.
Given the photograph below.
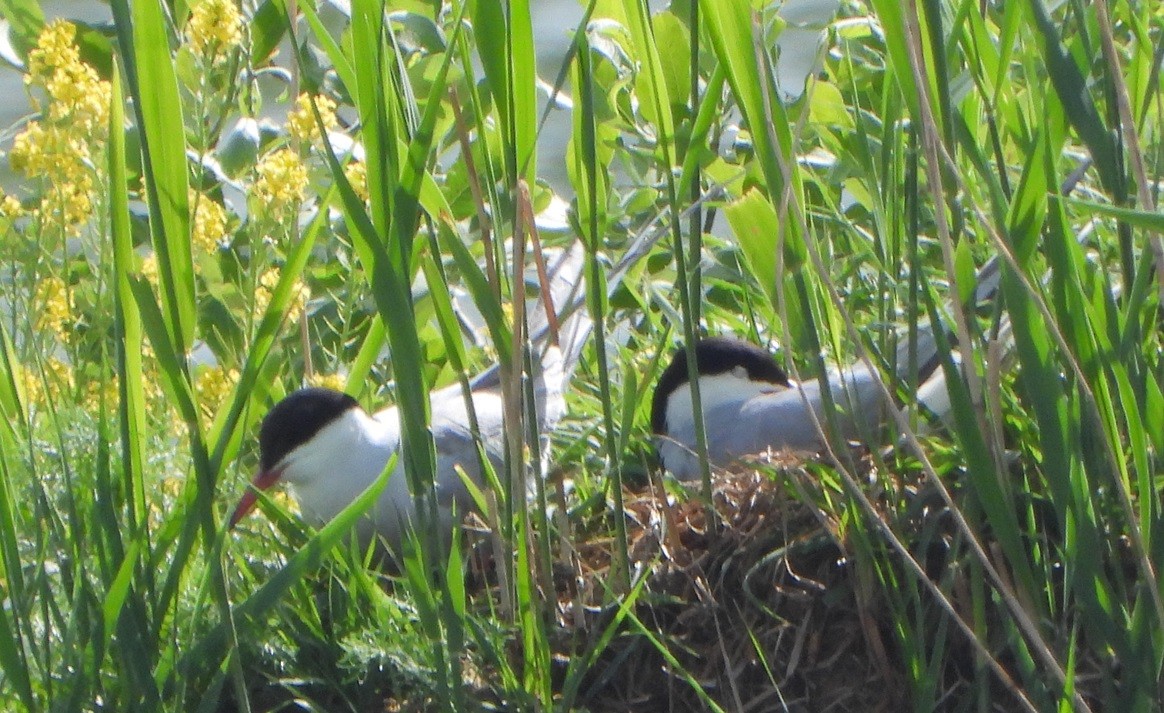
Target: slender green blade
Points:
(130, 370)
(26, 19)
(302, 563)
(154, 87)
(13, 660)
(732, 37)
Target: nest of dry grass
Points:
(758, 611)
(769, 608)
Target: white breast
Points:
(715, 393)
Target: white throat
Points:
(339, 463)
(727, 388)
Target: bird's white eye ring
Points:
(739, 372)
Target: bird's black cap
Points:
(296, 419)
(713, 355)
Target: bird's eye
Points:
(740, 372)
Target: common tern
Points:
(330, 450)
(751, 406)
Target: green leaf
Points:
(268, 26)
(828, 107)
(674, 43)
(26, 19)
(118, 590)
(730, 26)
(756, 225)
(302, 563)
(96, 49)
(132, 410)
(418, 32)
(154, 88)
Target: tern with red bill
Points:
(330, 450)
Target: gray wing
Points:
(779, 421)
(456, 448)
(567, 292)
(456, 445)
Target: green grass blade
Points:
(523, 66)
(172, 363)
(254, 381)
(367, 355)
(26, 19)
(492, 37)
(13, 659)
(118, 591)
(154, 88)
(380, 133)
(1150, 221)
(1072, 88)
(891, 16)
(385, 240)
(701, 130)
(210, 646)
(335, 53)
(583, 665)
(478, 286)
(132, 407)
(730, 27)
(12, 398)
(590, 164)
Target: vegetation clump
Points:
(214, 203)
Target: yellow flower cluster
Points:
(55, 47)
(149, 268)
(58, 380)
(59, 149)
(208, 223)
(265, 289)
(76, 94)
(357, 174)
(281, 184)
(10, 208)
(335, 382)
(213, 385)
(301, 119)
(98, 392)
(214, 29)
(58, 155)
(51, 306)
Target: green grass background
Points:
(934, 137)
